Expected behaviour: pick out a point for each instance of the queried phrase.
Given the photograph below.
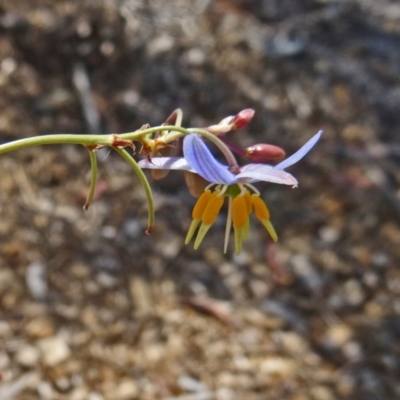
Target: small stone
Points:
(126, 390)
(7, 280)
(322, 393)
(107, 263)
(329, 234)
(54, 350)
(8, 66)
(95, 396)
(353, 351)
(132, 228)
(160, 45)
(63, 384)
(27, 356)
(338, 335)
(40, 328)
(195, 57)
(278, 366)
(170, 248)
(292, 342)
(109, 232)
(354, 293)
(45, 390)
(36, 280)
(106, 280)
(79, 393)
(304, 269)
(4, 360)
(141, 293)
(190, 384)
(224, 393)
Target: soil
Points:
(92, 308)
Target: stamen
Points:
(260, 208)
(247, 197)
(246, 229)
(200, 235)
(270, 229)
(209, 186)
(213, 208)
(193, 226)
(239, 211)
(228, 224)
(223, 190)
(252, 188)
(238, 239)
(201, 204)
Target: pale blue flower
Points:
(243, 196)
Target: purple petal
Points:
(173, 163)
(265, 173)
(299, 153)
(203, 162)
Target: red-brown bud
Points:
(242, 118)
(262, 153)
(232, 123)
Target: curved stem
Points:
(93, 180)
(137, 135)
(230, 158)
(236, 149)
(131, 161)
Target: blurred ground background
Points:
(91, 308)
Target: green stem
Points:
(64, 138)
(109, 140)
(136, 135)
(131, 161)
(93, 181)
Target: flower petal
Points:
(172, 163)
(266, 173)
(293, 159)
(199, 157)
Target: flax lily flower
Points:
(242, 196)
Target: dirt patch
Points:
(91, 308)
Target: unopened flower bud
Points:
(232, 123)
(262, 153)
(222, 127)
(242, 118)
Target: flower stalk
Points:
(228, 180)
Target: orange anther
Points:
(213, 208)
(239, 211)
(201, 204)
(260, 208)
(247, 197)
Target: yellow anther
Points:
(192, 229)
(270, 229)
(212, 209)
(238, 239)
(200, 235)
(239, 212)
(201, 204)
(260, 208)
